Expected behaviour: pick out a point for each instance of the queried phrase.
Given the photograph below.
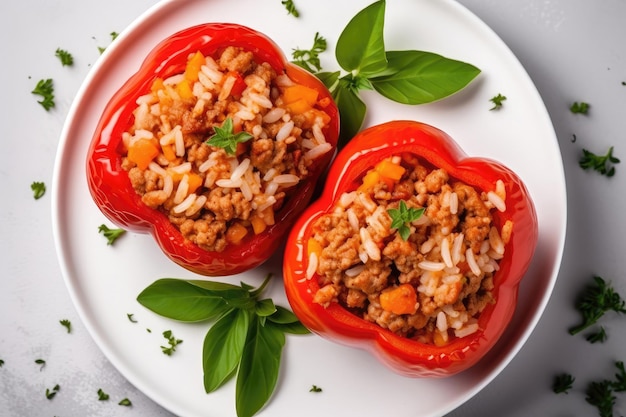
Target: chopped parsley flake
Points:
(111, 234)
(102, 396)
(40, 362)
(67, 324)
(563, 383)
(315, 388)
(50, 393)
(579, 107)
(38, 188)
(125, 402)
(131, 318)
(603, 164)
(45, 89)
(291, 8)
(309, 58)
(66, 58)
(172, 341)
(497, 101)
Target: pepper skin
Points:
(110, 186)
(408, 357)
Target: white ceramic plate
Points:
(104, 280)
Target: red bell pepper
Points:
(405, 356)
(111, 188)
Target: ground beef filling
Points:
(213, 197)
(431, 286)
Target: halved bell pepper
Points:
(111, 188)
(403, 355)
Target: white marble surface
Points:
(573, 50)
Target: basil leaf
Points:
(351, 112)
(223, 348)
(417, 77)
(286, 321)
(361, 46)
(180, 300)
(292, 328)
(329, 78)
(282, 316)
(258, 370)
(221, 289)
(265, 308)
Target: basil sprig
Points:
(246, 338)
(409, 77)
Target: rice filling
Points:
(428, 283)
(214, 197)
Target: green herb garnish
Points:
(579, 107)
(50, 393)
(601, 164)
(226, 139)
(125, 402)
(315, 388)
(596, 300)
(172, 341)
(45, 89)
(102, 396)
(309, 58)
(562, 383)
(409, 77)
(619, 385)
(291, 8)
(131, 318)
(497, 101)
(111, 234)
(246, 339)
(38, 188)
(40, 362)
(402, 217)
(67, 324)
(600, 395)
(597, 337)
(66, 58)
(1, 363)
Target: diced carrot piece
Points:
(388, 169)
(235, 233)
(313, 246)
(300, 92)
(193, 67)
(184, 90)
(370, 180)
(143, 151)
(157, 85)
(168, 152)
(439, 339)
(399, 300)
(176, 176)
(258, 224)
(268, 215)
(298, 107)
(194, 181)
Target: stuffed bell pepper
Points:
(214, 147)
(414, 251)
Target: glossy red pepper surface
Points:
(405, 356)
(110, 186)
